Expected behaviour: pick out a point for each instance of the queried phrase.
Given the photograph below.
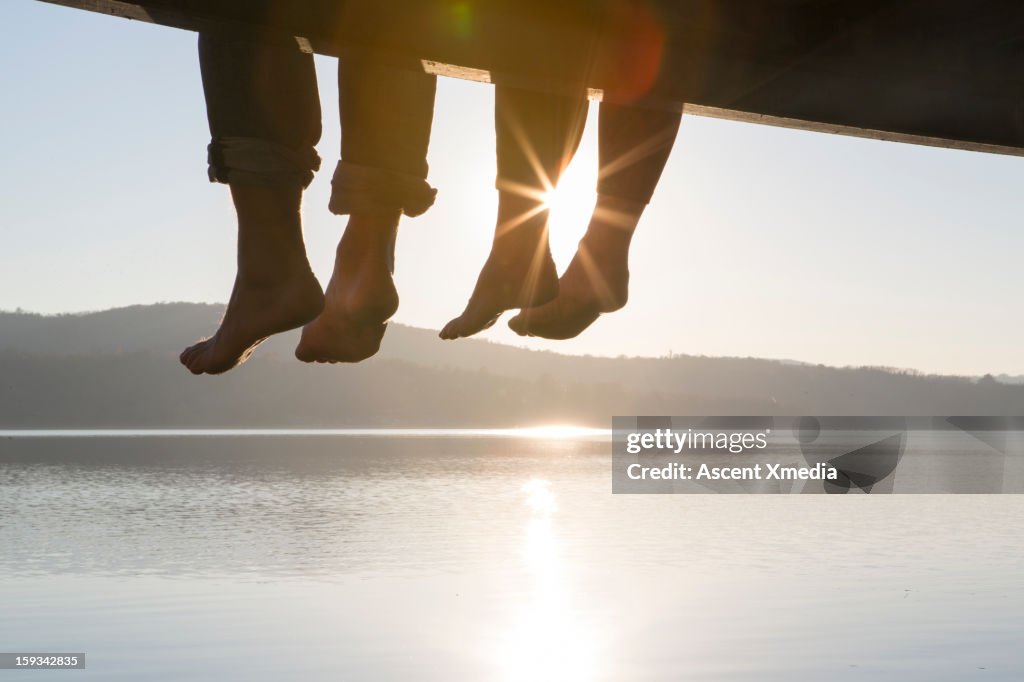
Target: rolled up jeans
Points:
(263, 107)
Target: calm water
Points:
(481, 557)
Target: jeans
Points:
(537, 135)
(633, 146)
(263, 108)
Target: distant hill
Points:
(118, 368)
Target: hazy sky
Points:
(760, 241)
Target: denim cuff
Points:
(367, 189)
(253, 161)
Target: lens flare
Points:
(637, 49)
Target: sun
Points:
(571, 204)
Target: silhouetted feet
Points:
(274, 289)
(596, 282)
(519, 273)
(254, 313)
(361, 295)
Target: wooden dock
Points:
(948, 73)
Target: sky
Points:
(760, 241)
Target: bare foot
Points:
(596, 282)
(335, 337)
(519, 273)
(254, 313)
(361, 295)
(274, 289)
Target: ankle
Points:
(273, 278)
(606, 243)
(373, 225)
(521, 220)
(517, 237)
(265, 267)
(369, 236)
(267, 204)
(612, 214)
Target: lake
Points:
(477, 555)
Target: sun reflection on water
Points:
(556, 432)
(546, 640)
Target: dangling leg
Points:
(386, 116)
(634, 146)
(264, 115)
(537, 135)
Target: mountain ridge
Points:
(118, 369)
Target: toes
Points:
(198, 362)
(189, 356)
(307, 352)
(449, 333)
(193, 363)
(202, 358)
(456, 329)
(529, 320)
(461, 327)
(519, 325)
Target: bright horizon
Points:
(760, 242)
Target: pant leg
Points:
(263, 108)
(386, 117)
(537, 135)
(634, 145)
